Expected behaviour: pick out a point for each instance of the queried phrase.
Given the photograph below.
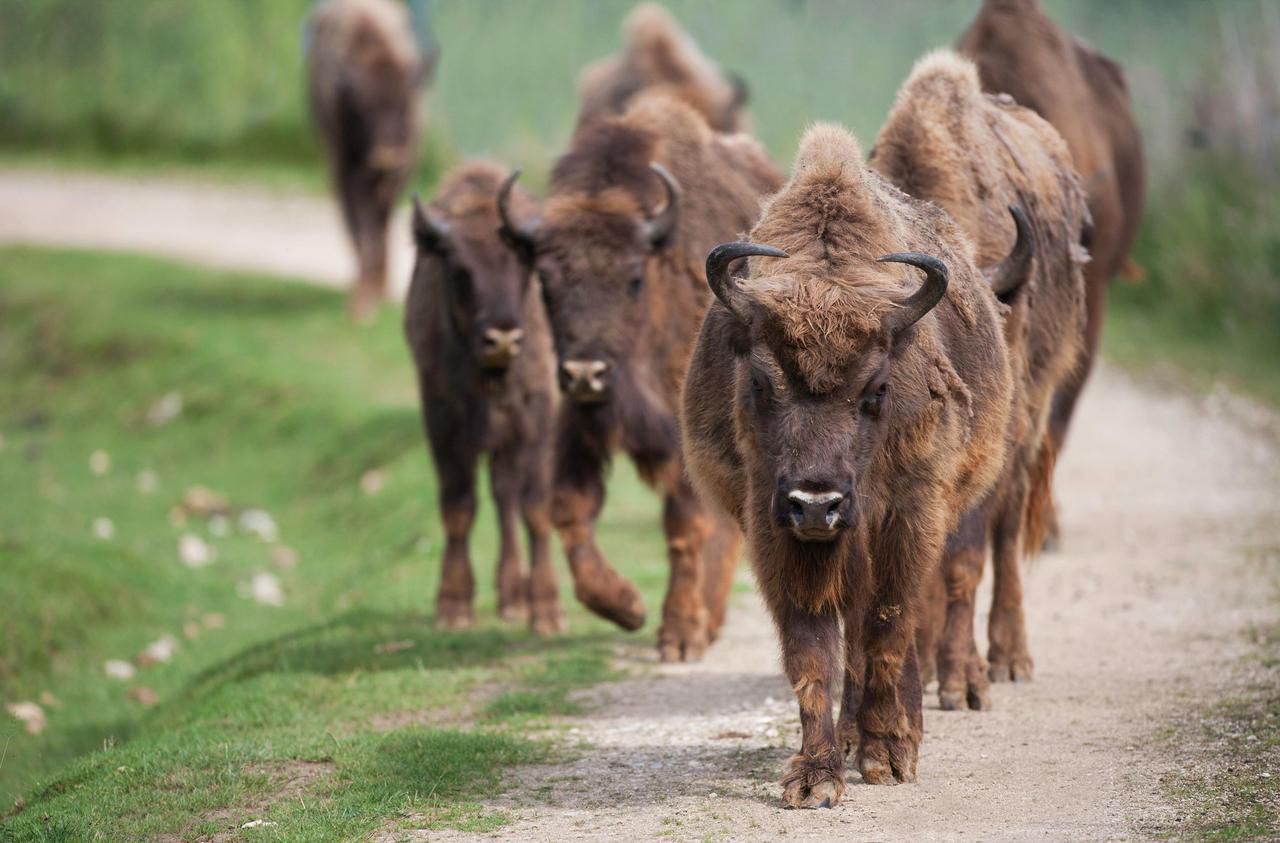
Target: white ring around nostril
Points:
(814, 499)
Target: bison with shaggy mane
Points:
(846, 401)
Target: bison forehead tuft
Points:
(819, 328)
(611, 216)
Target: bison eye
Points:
(635, 285)
(872, 404)
(757, 385)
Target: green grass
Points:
(1227, 787)
(1209, 307)
(285, 407)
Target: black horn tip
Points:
(916, 259)
(735, 250)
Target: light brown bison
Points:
(975, 156)
(366, 76)
(1020, 51)
(846, 405)
(659, 55)
(486, 373)
(619, 251)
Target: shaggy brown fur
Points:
(625, 305)
(1020, 51)
(659, 55)
(475, 323)
(813, 388)
(975, 155)
(365, 78)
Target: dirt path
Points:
(1172, 551)
(1172, 531)
(223, 226)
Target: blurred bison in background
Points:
(366, 76)
(658, 54)
(847, 413)
(475, 323)
(619, 251)
(976, 156)
(1020, 51)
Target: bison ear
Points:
(429, 233)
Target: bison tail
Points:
(1038, 515)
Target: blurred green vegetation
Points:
(191, 80)
(146, 85)
(1209, 306)
(284, 407)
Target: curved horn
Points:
(429, 232)
(1012, 272)
(660, 228)
(922, 300)
(726, 289)
(519, 238)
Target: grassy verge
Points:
(1209, 306)
(339, 710)
(1228, 786)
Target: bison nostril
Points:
(815, 510)
(584, 379)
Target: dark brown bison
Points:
(486, 375)
(659, 55)
(846, 405)
(366, 76)
(1020, 51)
(634, 206)
(975, 156)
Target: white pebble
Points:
(194, 551)
(99, 462)
(266, 589)
(103, 528)
(148, 482)
(119, 669)
(165, 410)
(260, 523)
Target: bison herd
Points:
(867, 369)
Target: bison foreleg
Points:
(457, 509)
(890, 719)
(961, 675)
(513, 586)
(814, 777)
(683, 635)
(1006, 628)
(595, 583)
